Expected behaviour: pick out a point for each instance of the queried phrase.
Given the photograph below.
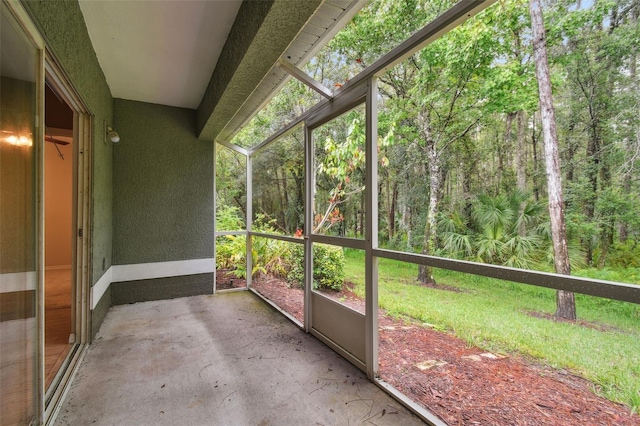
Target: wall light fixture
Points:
(113, 135)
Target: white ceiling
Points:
(161, 52)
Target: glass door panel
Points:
(18, 218)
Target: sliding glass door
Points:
(20, 66)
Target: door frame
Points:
(342, 328)
(28, 27)
(58, 81)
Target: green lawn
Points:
(492, 314)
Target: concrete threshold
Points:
(227, 359)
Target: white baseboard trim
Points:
(101, 287)
(17, 281)
(146, 271)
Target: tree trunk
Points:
(534, 145)
(391, 217)
(626, 182)
(407, 225)
(607, 242)
(429, 241)
(504, 152)
(521, 152)
(593, 161)
(285, 199)
(624, 227)
(521, 166)
(606, 234)
(500, 168)
(565, 301)
(468, 171)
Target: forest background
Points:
(460, 146)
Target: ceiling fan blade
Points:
(56, 141)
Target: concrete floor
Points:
(227, 359)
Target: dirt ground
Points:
(225, 280)
(465, 385)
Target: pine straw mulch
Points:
(465, 385)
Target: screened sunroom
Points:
(367, 212)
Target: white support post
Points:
(371, 230)
(215, 213)
(249, 219)
(308, 226)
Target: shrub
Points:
(269, 256)
(328, 267)
(231, 254)
(275, 257)
(624, 255)
(228, 218)
(296, 272)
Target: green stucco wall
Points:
(100, 311)
(162, 184)
(245, 28)
(260, 34)
(63, 27)
(161, 288)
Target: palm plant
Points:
(502, 230)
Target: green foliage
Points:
(340, 160)
(626, 274)
(461, 94)
(231, 254)
(231, 172)
(269, 256)
(230, 249)
(275, 257)
(328, 267)
(624, 255)
(293, 99)
(278, 182)
(296, 273)
(228, 219)
(343, 157)
(502, 230)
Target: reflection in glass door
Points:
(18, 223)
